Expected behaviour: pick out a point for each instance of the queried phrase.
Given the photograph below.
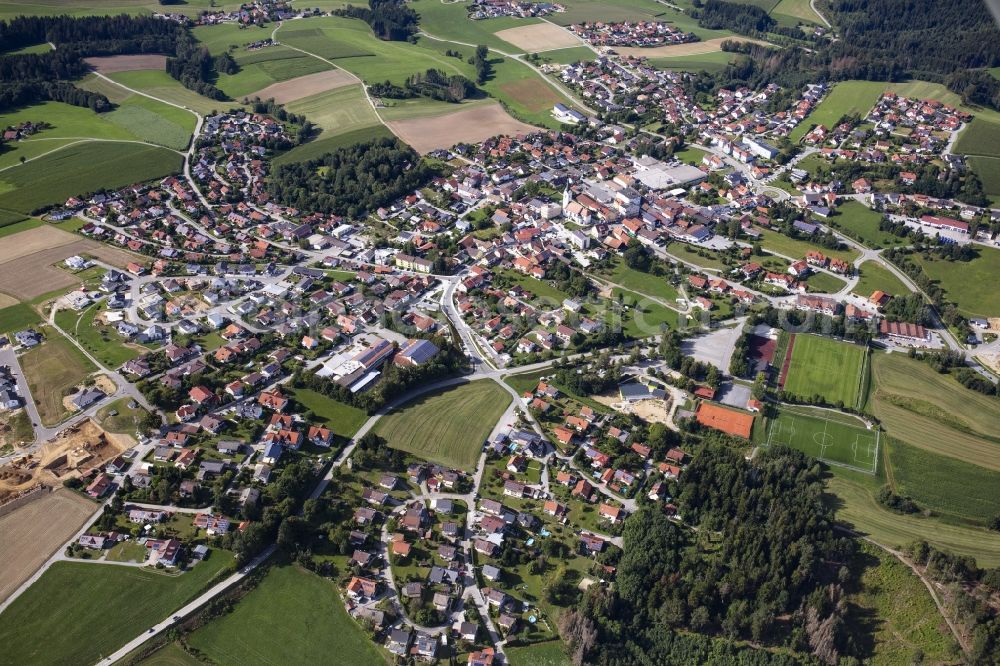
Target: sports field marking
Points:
(830, 443)
(823, 439)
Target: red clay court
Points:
(728, 421)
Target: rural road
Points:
(191, 607)
(812, 4)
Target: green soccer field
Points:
(833, 370)
(842, 440)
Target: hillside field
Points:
(908, 619)
(81, 169)
(933, 412)
(846, 97)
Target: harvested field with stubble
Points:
(34, 240)
(127, 63)
(471, 126)
(539, 37)
(691, 48)
(31, 533)
(304, 86)
(31, 276)
(27, 260)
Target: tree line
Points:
(30, 78)
(433, 83)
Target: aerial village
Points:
(249, 307)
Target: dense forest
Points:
(352, 180)
(390, 20)
(195, 67)
(744, 19)
(764, 565)
(29, 78)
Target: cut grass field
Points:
(875, 277)
(796, 10)
(259, 69)
(969, 284)
(845, 97)
(337, 112)
(708, 62)
(343, 420)
(643, 283)
(51, 368)
(81, 169)
(351, 45)
(289, 601)
(779, 243)
(68, 124)
(857, 507)
(449, 20)
(542, 291)
(644, 318)
(824, 283)
(568, 56)
(578, 11)
(85, 611)
(831, 369)
(449, 426)
(933, 411)
(549, 653)
(160, 84)
(861, 223)
(892, 611)
(125, 421)
(832, 438)
(949, 487)
(691, 155)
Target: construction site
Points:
(75, 452)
